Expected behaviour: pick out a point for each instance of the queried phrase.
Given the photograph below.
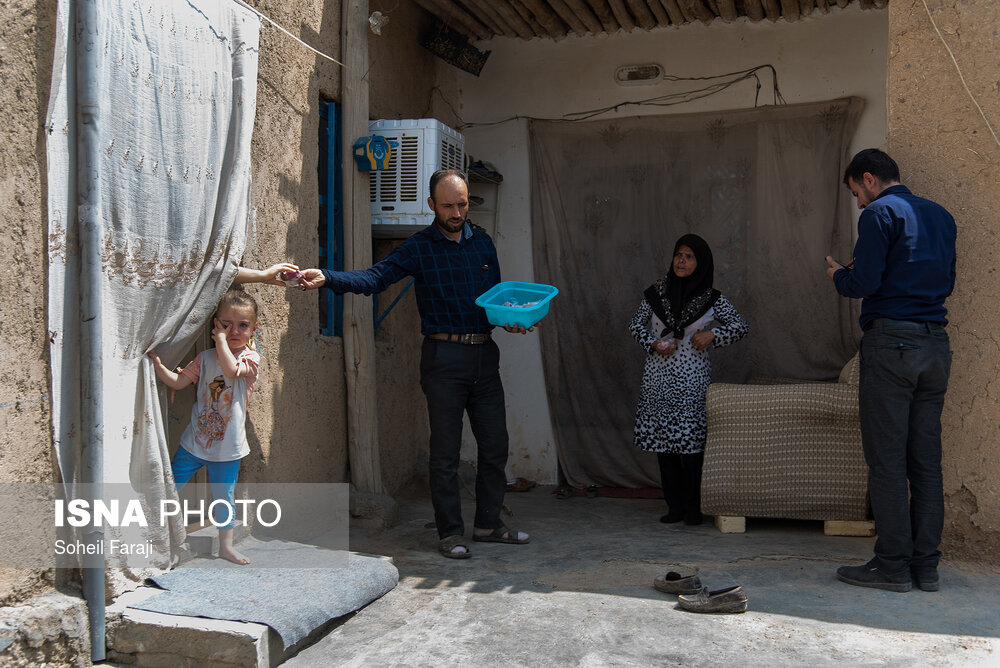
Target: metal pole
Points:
(88, 68)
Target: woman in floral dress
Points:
(673, 325)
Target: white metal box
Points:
(399, 194)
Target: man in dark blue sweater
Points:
(903, 269)
(452, 262)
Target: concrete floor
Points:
(580, 594)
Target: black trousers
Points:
(680, 477)
(458, 378)
(904, 375)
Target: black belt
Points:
(469, 339)
(872, 323)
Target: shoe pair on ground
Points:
(448, 544)
(872, 575)
(693, 596)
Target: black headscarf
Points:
(678, 302)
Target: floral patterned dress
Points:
(671, 412)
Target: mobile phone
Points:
(848, 266)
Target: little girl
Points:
(216, 435)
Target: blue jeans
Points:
(221, 479)
(904, 376)
(459, 378)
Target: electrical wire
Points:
(268, 19)
(670, 99)
(960, 75)
(437, 89)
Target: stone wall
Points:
(27, 35)
(947, 152)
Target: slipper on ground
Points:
(501, 535)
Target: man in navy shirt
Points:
(452, 262)
(903, 269)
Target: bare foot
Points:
(226, 550)
(233, 556)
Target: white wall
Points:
(822, 57)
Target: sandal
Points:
(501, 535)
(521, 485)
(448, 543)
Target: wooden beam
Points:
(848, 528)
(486, 17)
(585, 14)
(790, 9)
(643, 13)
(843, 3)
(698, 10)
(712, 7)
(730, 524)
(455, 17)
(603, 11)
(549, 21)
(867, 4)
(536, 28)
(880, 4)
(452, 7)
(806, 7)
(622, 15)
(491, 8)
(359, 328)
(773, 10)
(659, 12)
(727, 10)
(823, 5)
(568, 16)
(674, 12)
(514, 20)
(688, 16)
(431, 8)
(754, 10)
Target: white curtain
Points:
(177, 88)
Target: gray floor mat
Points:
(292, 601)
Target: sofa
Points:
(786, 449)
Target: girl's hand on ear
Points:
(220, 331)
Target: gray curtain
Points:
(610, 198)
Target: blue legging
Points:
(221, 480)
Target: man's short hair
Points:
(441, 174)
(875, 162)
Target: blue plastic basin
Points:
(516, 292)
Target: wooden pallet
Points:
(735, 524)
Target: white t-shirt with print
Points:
(217, 430)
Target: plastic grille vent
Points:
(409, 169)
(450, 155)
(388, 187)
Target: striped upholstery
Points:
(786, 450)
